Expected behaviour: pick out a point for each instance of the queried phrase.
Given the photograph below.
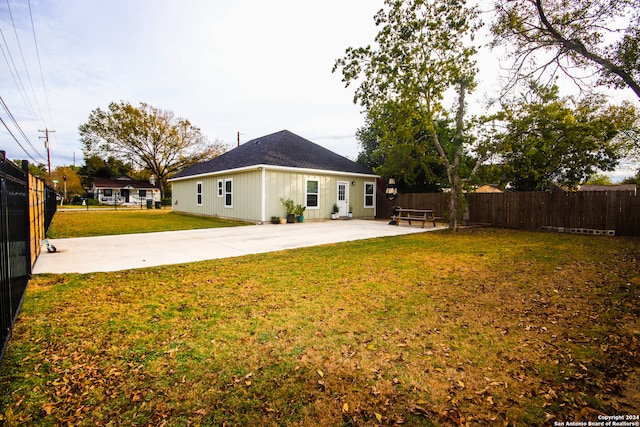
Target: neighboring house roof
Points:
(283, 149)
(622, 187)
(488, 188)
(121, 182)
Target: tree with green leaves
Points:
(548, 139)
(98, 167)
(422, 53)
(551, 36)
(147, 138)
(410, 158)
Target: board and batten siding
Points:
(286, 184)
(249, 188)
(245, 196)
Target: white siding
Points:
(248, 189)
(245, 193)
(284, 184)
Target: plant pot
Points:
(275, 220)
(291, 218)
(300, 218)
(334, 216)
(283, 220)
(350, 215)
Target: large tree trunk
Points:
(455, 192)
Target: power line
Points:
(16, 76)
(44, 86)
(15, 123)
(36, 113)
(24, 62)
(18, 142)
(35, 42)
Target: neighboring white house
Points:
(248, 182)
(124, 191)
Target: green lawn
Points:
(482, 327)
(83, 223)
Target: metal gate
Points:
(26, 209)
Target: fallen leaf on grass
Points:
(483, 391)
(378, 417)
(418, 410)
(48, 408)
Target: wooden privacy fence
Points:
(597, 212)
(27, 206)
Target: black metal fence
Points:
(27, 207)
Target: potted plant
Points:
(275, 220)
(334, 214)
(289, 206)
(350, 212)
(299, 211)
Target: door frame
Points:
(343, 205)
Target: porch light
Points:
(391, 191)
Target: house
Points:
(125, 191)
(488, 188)
(631, 188)
(247, 183)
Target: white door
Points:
(343, 198)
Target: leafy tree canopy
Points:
(147, 138)
(552, 140)
(97, 167)
(405, 153)
(599, 179)
(422, 52)
(67, 175)
(544, 37)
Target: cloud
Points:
(228, 66)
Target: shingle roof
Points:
(284, 149)
(619, 187)
(120, 183)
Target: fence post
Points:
(5, 286)
(25, 170)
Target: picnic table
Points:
(421, 215)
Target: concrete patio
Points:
(129, 251)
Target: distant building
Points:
(630, 188)
(125, 191)
(487, 188)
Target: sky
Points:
(247, 66)
(250, 66)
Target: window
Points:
(142, 194)
(369, 194)
(220, 191)
(312, 195)
(199, 194)
(228, 193)
(108, 192)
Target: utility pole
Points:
(46, 145)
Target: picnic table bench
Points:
(422, 215)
